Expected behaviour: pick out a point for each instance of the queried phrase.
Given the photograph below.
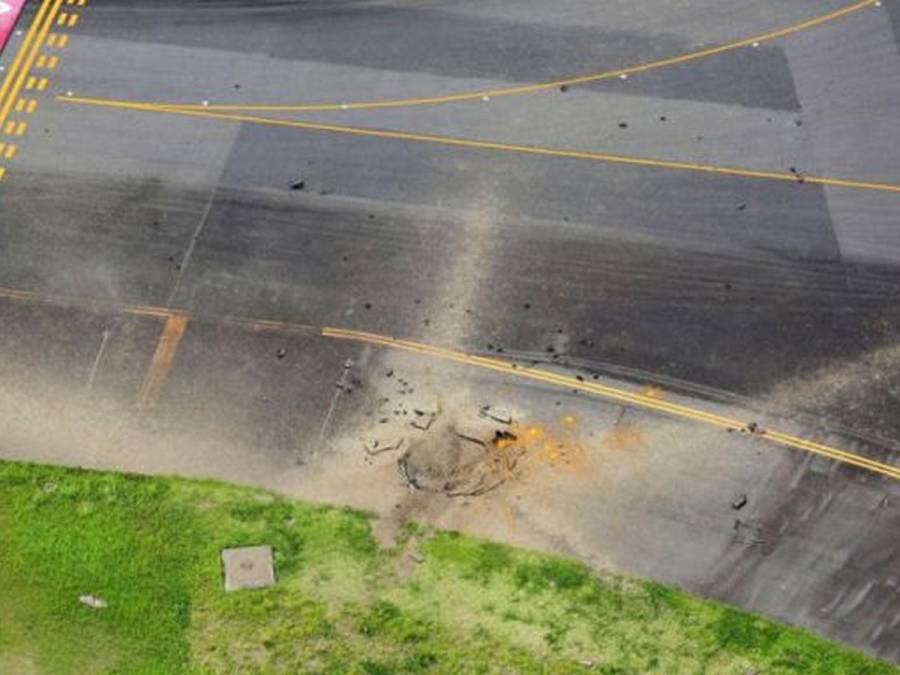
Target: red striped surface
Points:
(9, 15)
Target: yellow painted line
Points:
(31, 83)
(2, 173)
(63, 41)
(32, 106)
(51, 39)
(42, 84)
(10, 151)
(52, 62)
(618, 395)
(20, 105)
(62, 18)
(41, 298)
(495, 146)
(176, 323)
(553, 84)
(10, 127)
(73, 20)
(33, 29)
(163, 358)
(21, 128)
(25, 68)
(41, 62)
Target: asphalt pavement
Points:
(720, 228)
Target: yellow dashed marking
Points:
(51, 39)
(52, 62)
(20, 105)
(62, 19)
(41, 62)
(10, 152)
(32, 106)
(42, 84)
(73, 19)
(32, 83)
(2, 173)
(10, 127)
(63, 41)
(21, 128)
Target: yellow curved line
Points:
(531, 88)
(490, 145)
(616, 394)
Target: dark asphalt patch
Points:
(780, 217)
(449, 44)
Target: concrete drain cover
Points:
(248, 567)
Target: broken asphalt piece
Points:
(377, 447)
(389, 373)
(403, 468)
(92, 601)
(564, 88)
(741, 207)
(497, 414)
(281, 353)
(423, 421)
(298, 185)
(739, 503)
(501, 435)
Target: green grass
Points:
(150, 548)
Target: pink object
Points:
(9, 15)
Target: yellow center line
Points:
(553, 84)
(23, 49)
(29, 61)
(162, 362)
(619, 395)
(492, 145)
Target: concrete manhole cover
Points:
(248, 567)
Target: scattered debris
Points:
(281, 352)
(564, 88)
(623, 125)
(92, 601)
(298, 185)
(389, 373)
(739, 503)
(741, 206)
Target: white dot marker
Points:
(344, 106)
(485, 98)
(18, 32)
(755, 44)
(205, 103)
(623, 76)
(70, 93)
(878, 3)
